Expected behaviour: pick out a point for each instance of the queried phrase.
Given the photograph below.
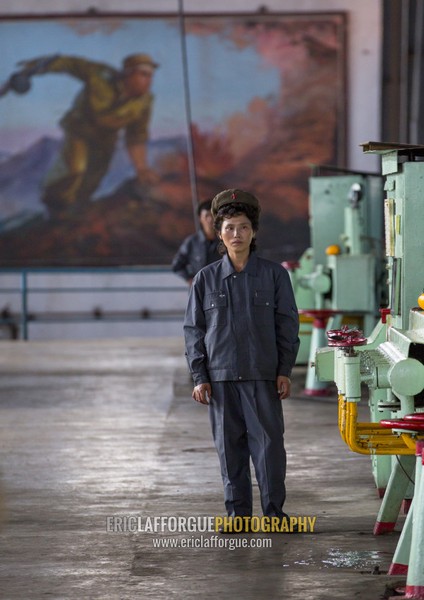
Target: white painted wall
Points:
(70, 299)
(363, 110)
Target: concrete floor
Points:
(96, 429)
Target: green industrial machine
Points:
(347, 237)
(390, 362)
(342, 275)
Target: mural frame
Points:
(224, 136)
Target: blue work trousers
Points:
(247, 421)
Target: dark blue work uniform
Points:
(241, 332)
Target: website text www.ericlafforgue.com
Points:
(213, 541)
(212, 525)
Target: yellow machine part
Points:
(371, 438)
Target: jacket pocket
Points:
(263, 307)
(264, 298)
(215, 309)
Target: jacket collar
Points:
(250, 268)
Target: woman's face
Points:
(237, 234)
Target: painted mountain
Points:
(125, 223)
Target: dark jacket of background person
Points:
(195, 252)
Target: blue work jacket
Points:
(241, 325)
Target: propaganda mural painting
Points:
(94, 172)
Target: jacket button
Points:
(240, 377)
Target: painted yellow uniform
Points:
(91, 128)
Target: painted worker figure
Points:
(241, 335)
(200, 248)
(110, 101)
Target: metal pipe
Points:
(24, 304)
(404, 66)
(416, 84)
(352, 377)
(190, 146)
(368, 438)
(342, 418)
(364, 442)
